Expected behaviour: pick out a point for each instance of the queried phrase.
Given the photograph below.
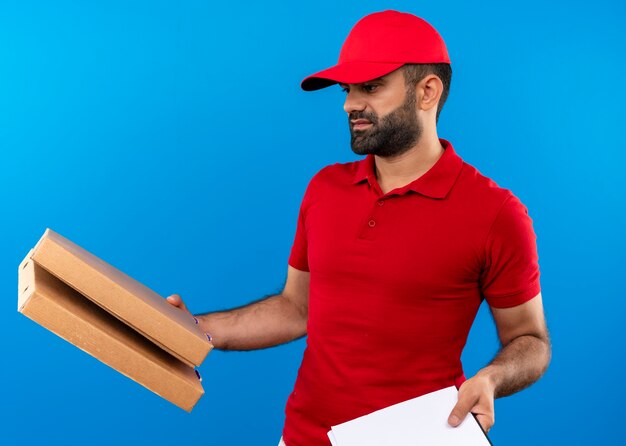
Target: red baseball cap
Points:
(378, 44)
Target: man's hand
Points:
(476, 395)
(524, 357)
(177, 301)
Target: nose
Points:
(354, 102)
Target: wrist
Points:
(491, 375)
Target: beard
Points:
(391, 135)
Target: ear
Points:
(428, 92)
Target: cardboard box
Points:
(112, 317)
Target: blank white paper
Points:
(331, 437)
(419, 421)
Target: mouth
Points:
(360, 124)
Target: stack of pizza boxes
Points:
(113, 317)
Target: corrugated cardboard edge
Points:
(25, 277)
(124, 297)
(59, 308)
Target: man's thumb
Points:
(176, 300)
(458, 414)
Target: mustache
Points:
(371, 117)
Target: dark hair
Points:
(413, 73)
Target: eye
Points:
(370, 88)
(345, 89)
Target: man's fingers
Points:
(460, 411)
(486, 422)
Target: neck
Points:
(400, 170)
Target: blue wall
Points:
(172, 140)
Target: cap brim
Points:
(348, 73)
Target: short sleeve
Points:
(510, 275)
(298, 256)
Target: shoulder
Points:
(481, 190)
(327, 181)
(486, 204)
(337, 173)
(340, 170)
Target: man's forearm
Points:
(265, 323)
(524, 357)
(518, 365)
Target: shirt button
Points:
(381, 202)
(372, 223)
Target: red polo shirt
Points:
(396, 281)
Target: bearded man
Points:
(394, 254)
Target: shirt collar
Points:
(435, 183)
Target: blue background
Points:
(172, 140)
